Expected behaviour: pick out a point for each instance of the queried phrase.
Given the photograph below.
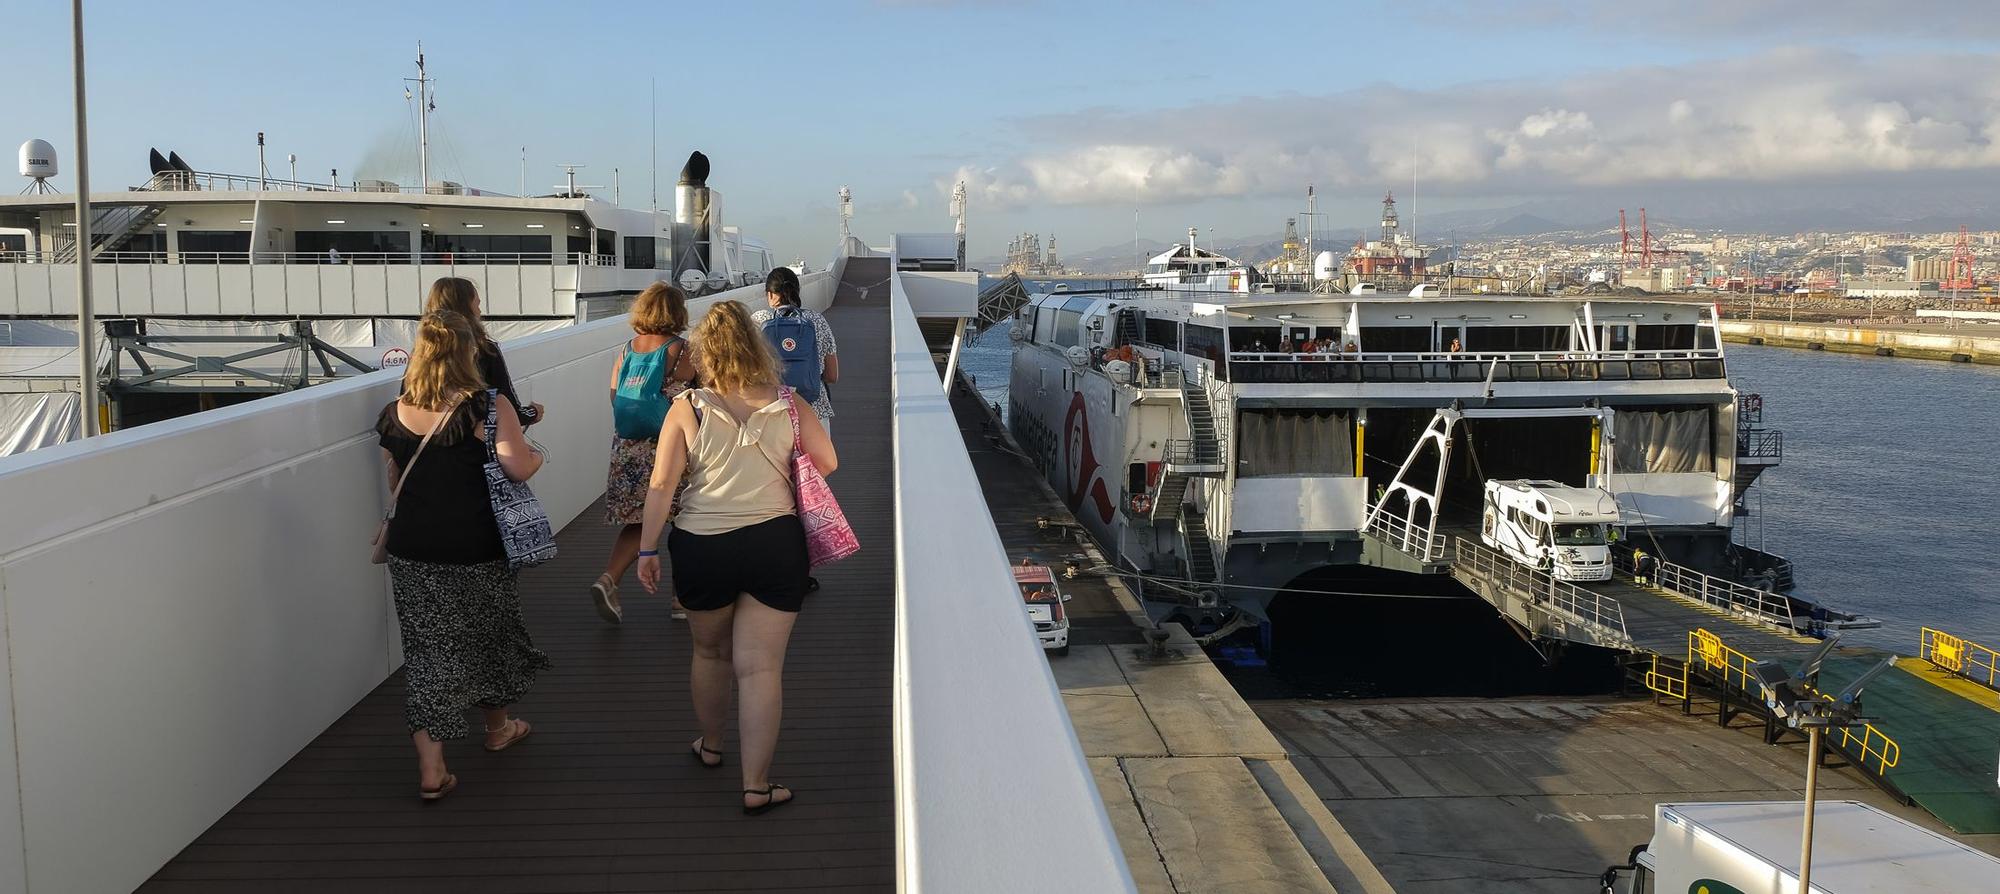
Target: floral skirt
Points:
(631, 474)
(464, 642)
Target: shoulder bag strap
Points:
(492, 424)
(798, 445)
(396, 492)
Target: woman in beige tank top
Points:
(739, 550)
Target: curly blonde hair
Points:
(444, 363)
(660, 310)
(733, 354)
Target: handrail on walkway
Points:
(1729, 596)
(992, 790)
(1960, 656)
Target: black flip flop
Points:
(700, 748)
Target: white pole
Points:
(293, 157)
(86, 315)
(1812, 795)
(524, 172)
(423, 123)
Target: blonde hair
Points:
(660, 310)
(444, 362)
(734, 355)
(458, 295)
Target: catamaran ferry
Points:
(1220, 444)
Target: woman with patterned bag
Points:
(739, 545)
(652, 370)
(455, 590)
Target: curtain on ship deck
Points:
(1667, 441)
(1294, 442)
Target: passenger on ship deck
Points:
(739, 549)
(785, 318)
(456, 599)
(458, 295)
(655, 367)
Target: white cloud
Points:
(1784, 116)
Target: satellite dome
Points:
(38, 159)
(1325, 267)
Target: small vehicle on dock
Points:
(1045, 600)
(1551, 527)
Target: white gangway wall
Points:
(189, 603)
(993, 794)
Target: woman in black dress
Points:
(464, 643)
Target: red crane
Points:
(1958, 274)
(1645, 242)
(1624, 243)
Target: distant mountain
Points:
(1524, 225)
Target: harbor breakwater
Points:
(1951, 346)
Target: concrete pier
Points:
(1968, 344)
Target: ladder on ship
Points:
(1197, 456)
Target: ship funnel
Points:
(694, 217)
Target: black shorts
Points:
(766, 560)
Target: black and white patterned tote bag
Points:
(524, 525)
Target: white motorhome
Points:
(1551, 526)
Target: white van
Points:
(1551, 526)
(1045, 606)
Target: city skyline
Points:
(1069, 120)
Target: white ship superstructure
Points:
(1223, 444)
(333, 276)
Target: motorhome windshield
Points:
(1579, 535)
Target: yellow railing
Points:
(1667, 682)
(1959, 656)
(1873, 745)
(1869, 746)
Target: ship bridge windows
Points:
(639, 253)
(1294, 442)
(504, 248)
(1163, 332)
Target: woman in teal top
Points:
(654, 367)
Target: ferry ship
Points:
(1221, 444)
(216, 288)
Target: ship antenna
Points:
(424, 106)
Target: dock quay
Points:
(1930, 342)
(1934, 736)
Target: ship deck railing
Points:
(212, 181)
(1527, 366)
(359, 258)
(207, 573)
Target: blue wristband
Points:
(648, 552)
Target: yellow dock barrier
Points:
(1960, 656)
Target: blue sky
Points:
(1063, 117)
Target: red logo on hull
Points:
(1081, 462)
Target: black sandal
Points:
(700, 748)
(771, 800)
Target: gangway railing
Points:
(1733, 673)
(1763, 606)
(1406, 536)
(1575, 603)
(1960, 656)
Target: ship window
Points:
(466, 248)
(232, 245)
(1204, 341)
(1666, 338)
(1165, 333)
(356, 247)
(1253, 339)
(639, 254)
(607, 242)
(1501, 339)
(1396, 339)
(1067, 324)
